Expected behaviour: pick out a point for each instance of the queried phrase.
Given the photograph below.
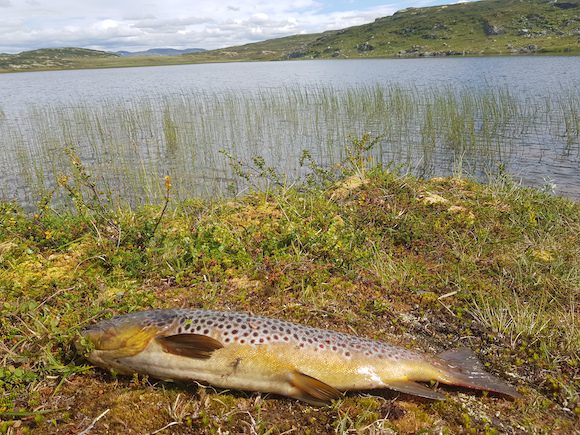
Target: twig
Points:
(447, 308)
(92, 425)
(100, 257)
(167, 191)
(160, 216)
(53, 295)
(173, 423)
(446, 295)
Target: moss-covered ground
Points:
(430, 264)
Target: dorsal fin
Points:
(467, 371)
(415, 389)
(189, 345)
(312, 390)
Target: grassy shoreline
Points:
(431, 264)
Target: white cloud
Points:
(133, 24)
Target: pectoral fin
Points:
(415, 389)
(189, 345)
(312, 390)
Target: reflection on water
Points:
(434, 116)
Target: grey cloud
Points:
(139, 17)
(171, 25)
(5, 3)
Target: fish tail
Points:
(465, 370)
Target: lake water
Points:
(40, 111)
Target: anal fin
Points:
(312, 390)
(189, 345)
(415, 389)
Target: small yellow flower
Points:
(62, 180)
(48, 235)
(167, 182)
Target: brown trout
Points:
(246, 352)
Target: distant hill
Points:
(51, 58)
(160, 52)
(473, 28)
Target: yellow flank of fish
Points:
(242, 351)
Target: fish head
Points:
(104, 343)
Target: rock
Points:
(491, 29)
(346, 186)
(565, 5)
(297, 54)
(364, 47)
(430, 198)
(532, 48)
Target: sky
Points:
(141, 24)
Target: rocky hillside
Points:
(475, 28)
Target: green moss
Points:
(494, 265)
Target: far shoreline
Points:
(153, 61)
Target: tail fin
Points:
(465, 370)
